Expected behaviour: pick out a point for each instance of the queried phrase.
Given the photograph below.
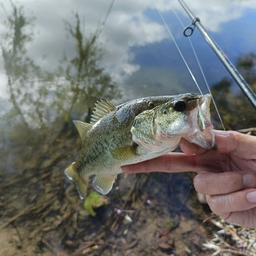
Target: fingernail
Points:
(249, 180)
(251, 197)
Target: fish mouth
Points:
(200, 121)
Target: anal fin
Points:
(103, 183)
(80, 183)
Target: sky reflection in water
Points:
(138, 52)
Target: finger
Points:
(190, 148)
(211, 161)
(223, 183)
(171, 162)
(234, 202)
(243, 218)
(238, 144)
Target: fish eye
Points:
(165, 111)
(179, 106)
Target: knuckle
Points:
(213, 202)
(222, 204)
(234, 134)
(231, 202)
(198, 183)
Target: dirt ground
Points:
(148, 222)
(146, 214)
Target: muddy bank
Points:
(145, 214)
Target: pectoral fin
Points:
(124, 153)
(103, 183)
(81, 184)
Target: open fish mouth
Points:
(187, 116)
(200, 122)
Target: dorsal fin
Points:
(82, 128)
(102, 108)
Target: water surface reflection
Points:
(41, 213)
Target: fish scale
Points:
(136, 131)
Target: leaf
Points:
(94, 200)
(88, 207)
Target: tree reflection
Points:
(43, 101)
(17, 65)
(85, 79)
(235, 108)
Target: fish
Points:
(136, 131)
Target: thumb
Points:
(241, 145)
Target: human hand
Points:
(231, 189)
(226, 175)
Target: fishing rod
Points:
(245, 88)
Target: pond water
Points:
(57, 59)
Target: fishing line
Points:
(238, 78)
(245, 88)
(184, 200)
(177, 47)
(207, 85)
(202, 72)
(190, 72)
(107, 15)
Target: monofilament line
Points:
(178, 49)
(202, 72)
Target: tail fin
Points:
(81, 184)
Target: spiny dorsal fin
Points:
(102, 108)
(82, 128)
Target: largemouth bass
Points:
(136, 131)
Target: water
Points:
(48, 79)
